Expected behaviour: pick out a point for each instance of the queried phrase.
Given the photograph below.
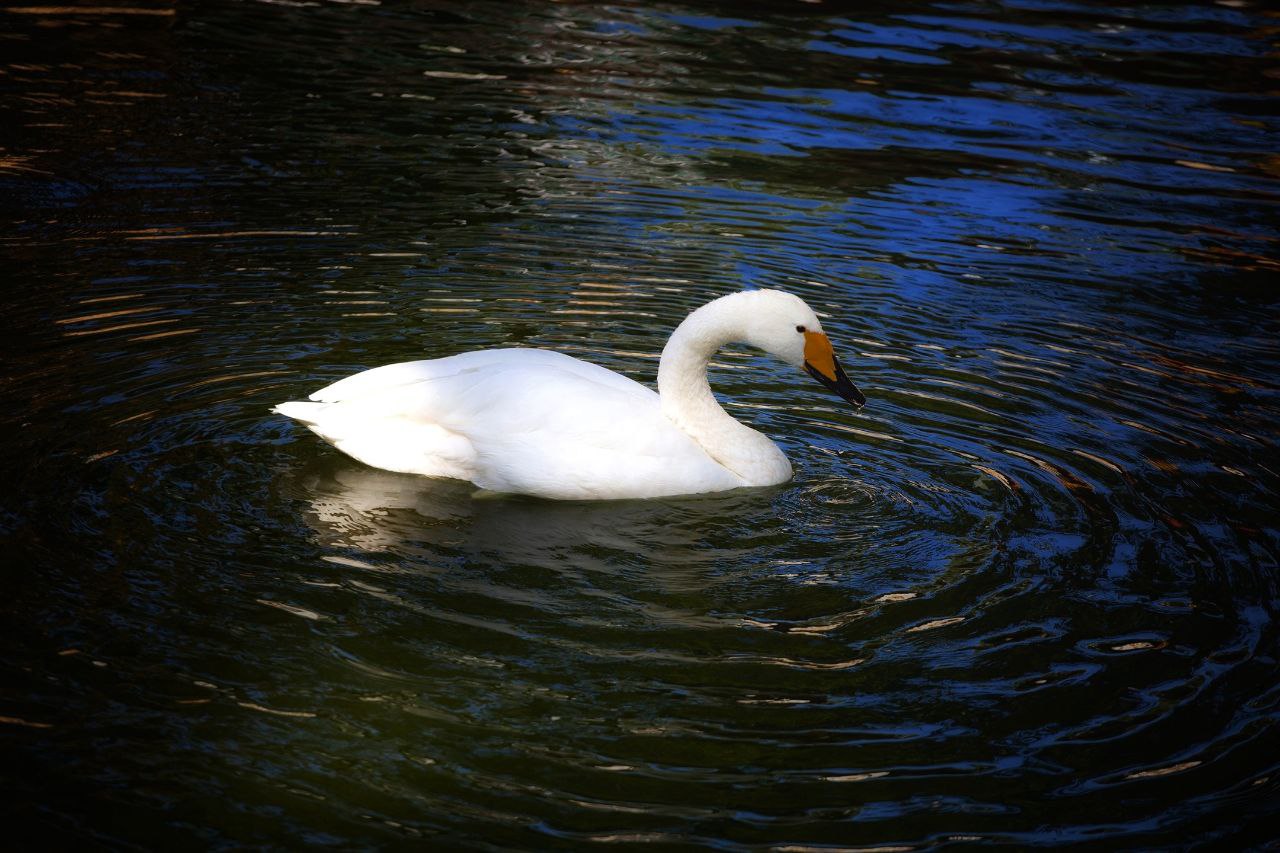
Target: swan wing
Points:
(517, 420)
(552, 430)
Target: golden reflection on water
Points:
(90, 10)
(168, 234)
(119, 327)
(106, 314)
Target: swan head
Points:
(783, 325)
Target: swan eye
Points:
(801, 329)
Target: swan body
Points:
(544, 423)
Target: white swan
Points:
(543, 423)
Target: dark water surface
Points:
(1028, 595)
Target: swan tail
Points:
(306, 413)
(394, 443)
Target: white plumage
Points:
(543, 423)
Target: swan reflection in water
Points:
(403, 522)
(694, 562)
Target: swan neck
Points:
(688, 402)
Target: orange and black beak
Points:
(820, 363)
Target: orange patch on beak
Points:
(819, 355)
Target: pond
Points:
(1026, 596)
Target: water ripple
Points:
(1026, 596)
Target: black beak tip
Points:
(841, 385)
